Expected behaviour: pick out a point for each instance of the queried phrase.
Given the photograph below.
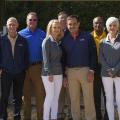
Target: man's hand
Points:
(50, 78)
(90, 75)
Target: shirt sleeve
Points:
(92, 53)
(103, 61)
(46, 56)
(26, 55)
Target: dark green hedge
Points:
(47, 10)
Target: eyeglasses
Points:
(33, 20)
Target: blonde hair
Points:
(49, 26)
(13, 19)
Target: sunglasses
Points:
(32, 20)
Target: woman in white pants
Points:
(52, 69)
(110, 61)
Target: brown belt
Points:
(35, 63)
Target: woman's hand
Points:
(50, 78)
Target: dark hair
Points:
(62, 12)
(73, 16)
(100, 17)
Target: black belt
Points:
(35, 63)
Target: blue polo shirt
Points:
(34, 40)
(80, 52)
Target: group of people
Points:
(82, 62)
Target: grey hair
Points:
(111, 20)
(12, 19)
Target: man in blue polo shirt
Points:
(34, 38)
(80, 56)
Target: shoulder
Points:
(41, 32)
(46, 42)
(22, 31)
(86, 35)
(3, 37)
(22, 39)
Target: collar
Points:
(30, 30)
(107, 38)
(52, 39)
(10, 38)
(74, 35)
(103, 35)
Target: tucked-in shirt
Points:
(52, 54)
(34, 40)
(110, 55)
(80, 52)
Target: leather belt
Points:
(35, 63)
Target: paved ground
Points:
(10, 113)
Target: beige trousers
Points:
(77, 79)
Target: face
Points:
(12, 27)
(31, 22)
(73, 25)
(98, 24)
(62, 19)
(113, 28)
(55, 29)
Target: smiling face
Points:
(12, 26)
(55, 29)
(31, 22)
(98, 25)
(73, 25)
(113, 28)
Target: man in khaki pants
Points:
(80, 56)
(33, 80)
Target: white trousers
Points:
(108, 87)
(52, 90)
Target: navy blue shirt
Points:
(80, 52)
(34, 40)
(20, 61)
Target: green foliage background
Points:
(47, 10)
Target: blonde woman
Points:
(110, 61)
(52, 68)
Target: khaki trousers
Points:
(33, 82)
(77, 78)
